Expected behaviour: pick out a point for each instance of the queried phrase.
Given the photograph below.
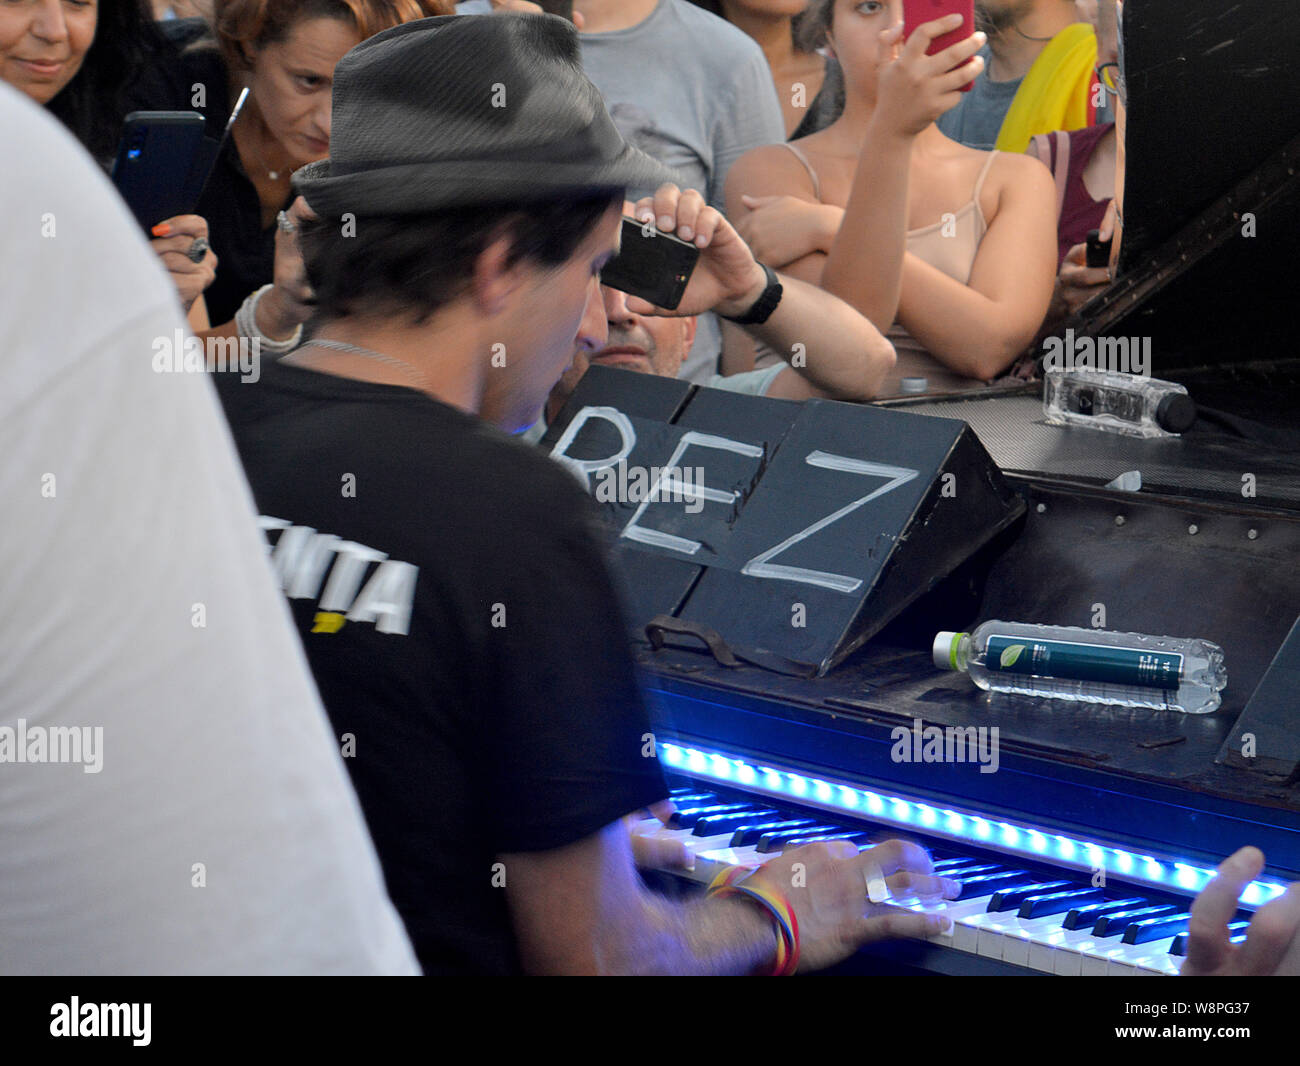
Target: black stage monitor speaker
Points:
(1266, 737)
(787, 534)
(1212, 186)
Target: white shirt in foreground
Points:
(211, 827)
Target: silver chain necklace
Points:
(356, 349)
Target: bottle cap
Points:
(1176, 413)
(944, 650)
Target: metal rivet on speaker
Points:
(1042, 507)
(1252, 533)
(1119, 519)
(1193, 529)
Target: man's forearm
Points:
(708, 937)
(826, 341)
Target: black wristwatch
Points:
(762, 308)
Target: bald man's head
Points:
(648, 344)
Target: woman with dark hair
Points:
(948, 249)
(284, 52)
(76, 58)
(797, 69)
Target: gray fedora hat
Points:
(468, 109)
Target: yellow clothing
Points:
(1056, 94)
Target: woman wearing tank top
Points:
(949, 250)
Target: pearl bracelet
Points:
(246, 325)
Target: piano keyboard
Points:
(1014, 912)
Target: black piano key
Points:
(1013, 896)
(959, 872)
(947, 864)
(987, 884)
(860, 837)
(1161, 928)
(1115, 923)
(717, 824)
(1057, 902)
(1235, 929)
(1085, 917)
(770, 842)
(751, 834)
(686, 817)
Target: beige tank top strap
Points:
(979, 182)
(816, 182)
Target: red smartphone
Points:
(916, 12)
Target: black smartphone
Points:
(1098, 251)
(652, 265)
(161, 166)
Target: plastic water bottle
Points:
(1122, 403)
(1090, 665)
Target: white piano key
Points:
(993, 932)
(1126, 960)
(1032, 932)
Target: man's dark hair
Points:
(416, 264)
(91, 105)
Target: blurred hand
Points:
(1077, 283)
(656, 853)
(172, 241)
(781, 229)
(826, 885)
(914, 88)
(1272, 946)
(726, 278)
(290, 302)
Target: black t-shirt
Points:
(450, 588)
(245, 250)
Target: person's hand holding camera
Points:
(726, 279)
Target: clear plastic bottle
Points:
(1121, 403)
(1089, 665)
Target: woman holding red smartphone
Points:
(950, 250)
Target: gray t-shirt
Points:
(977, 120)
(696, 93)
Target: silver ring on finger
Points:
(877, 889)
(286, 224)
(197, 250)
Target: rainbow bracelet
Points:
(730, 883)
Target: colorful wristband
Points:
(730, 883)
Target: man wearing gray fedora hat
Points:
(450, 589)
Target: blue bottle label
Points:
(1084, 662)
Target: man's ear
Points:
(496, 278)
(689, 325)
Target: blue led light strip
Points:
(954, 824)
